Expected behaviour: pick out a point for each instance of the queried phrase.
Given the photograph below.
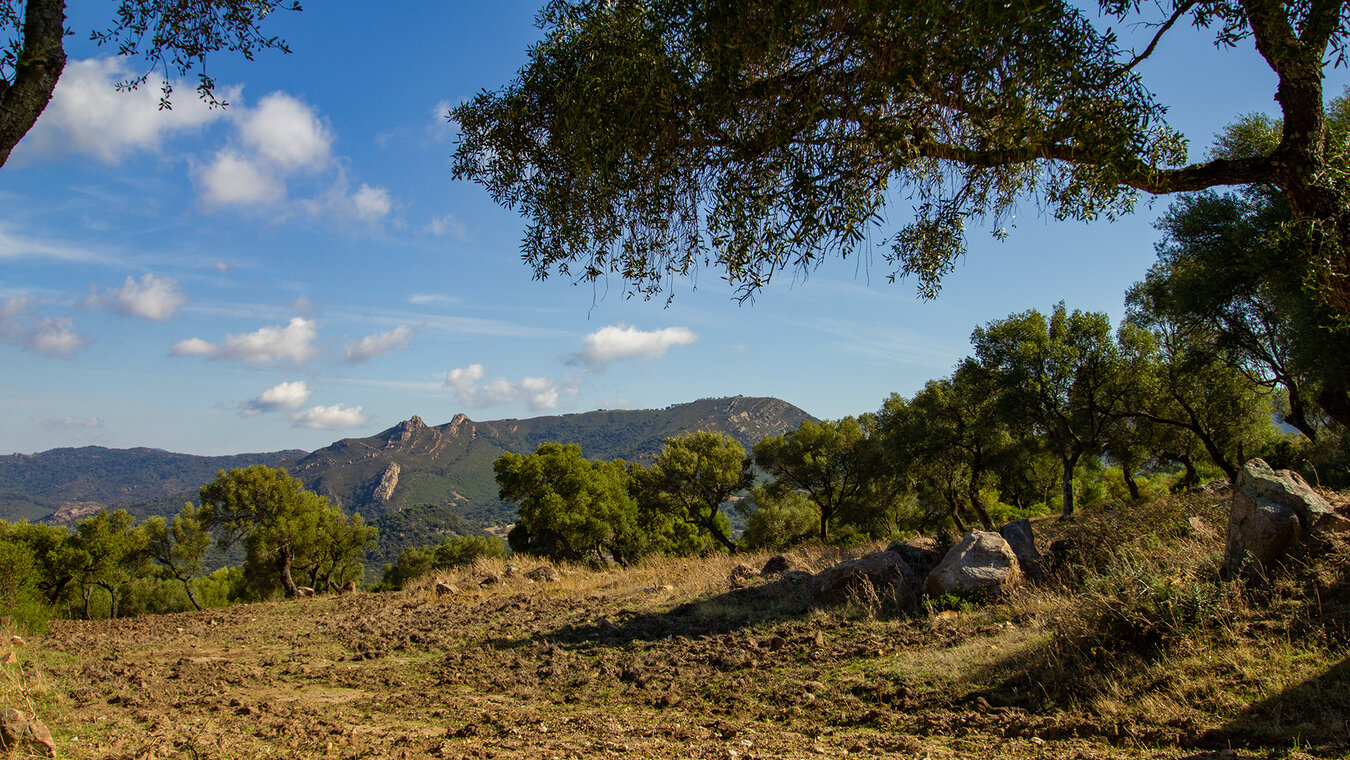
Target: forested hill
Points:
(450, 465)
(414, 481)
(64, 484)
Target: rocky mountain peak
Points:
(404, 431)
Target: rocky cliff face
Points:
(384, 490)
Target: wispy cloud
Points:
(615, 342)
(15, 245)
(278, 398)
(68, 423)
(292, 343)
(432, 299)
(538, 393)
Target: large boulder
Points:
(1018, 535)
(919, 553)
(878, 577)
(981, 563)
(1271, 511)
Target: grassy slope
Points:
(1134, 650)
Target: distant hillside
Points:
(450, 465)
(415, 482)
(66, 484)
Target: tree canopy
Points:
(173, 37)
(650, 138)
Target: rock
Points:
(491, 579)
(743, 572)
(1286, 488)
(16, 641)
(384, 490)
(1271, 511)
(1330, 525)
(981, 562)
(919, 553)
(778, 564)
(1260, 531)
(348, 588)
(10, 659)
(1213, 487)
(1200, 528)
(443, 588)
(881, 576)
(1018, 535)
(544, 574)
(304, 591)
(19, 734)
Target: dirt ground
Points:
(519, 669)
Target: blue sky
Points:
(300, 267)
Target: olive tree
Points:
(650, 138)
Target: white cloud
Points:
(72, 422)
(379, 344)
(286, 133)
(335, 417)
(372, 203)
(447, 225)
(153, 298)
(235, 180)
(539, 393)
(617, 342)
(48, 336)
(292, 395)
(87, 115)
(442, 126)
(267, 345)
(430, 299)
(303, 304)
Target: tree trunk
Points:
(112, 596)
(978, 504)
(284, 566)
(1130, 485)
(40, 61)
(187, 586)
(717, 533)
(1070, 464)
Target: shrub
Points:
(22, 604)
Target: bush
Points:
(455, 551)
(22, 604)
(780, 519)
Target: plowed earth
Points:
(531, 670)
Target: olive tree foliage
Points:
(692, 477)
(179, 546)
(650, 138)
(286, 529)
(174, 37)
(107, 551)
(836, 464)
(1061, 376)
(570, 508)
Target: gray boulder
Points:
(1270, 513)
(878, 577)
(1018, 535)
(981, 562)
(919, 553)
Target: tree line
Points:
(110, 565)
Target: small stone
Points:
(443, 588)
(10, 659)
(16, 641)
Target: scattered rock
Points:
(778, 564)
(349, 587)
(981, 562)
(1018, 535)
(919, 553)
(544, 574)
(304, 591)
(742, 572)
(1200, 528)
(1271, 511)
(882, 576)
(443, 588)
(10, 659)
(1213, 487)
(490, 580)
(16, 641)
(26, 735)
